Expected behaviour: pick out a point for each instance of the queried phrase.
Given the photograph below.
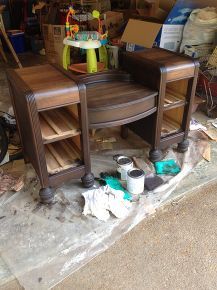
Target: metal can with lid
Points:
(135, 181)
(124, 163)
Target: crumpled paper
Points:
(10, 182)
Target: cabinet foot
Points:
(124, 132)
(183, 146)
(155, 155)
(46, 195)
(88, 180)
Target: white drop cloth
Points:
(98, 203)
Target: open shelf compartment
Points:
(169, 127)
(175, 95)
(58, 124)
(62, 155)
(172, 121)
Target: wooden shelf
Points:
(169, 126)
(58, 124)
(173, 99)
(61, 155)
(82, 67)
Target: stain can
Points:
(124, 163)
(135, 181)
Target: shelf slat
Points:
(60, 156)
(57, 124)
(173, 99)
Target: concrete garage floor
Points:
(175, 249)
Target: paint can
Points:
(124, 163)
(135, 181)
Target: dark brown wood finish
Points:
(175, 76)
(145, 97)
(48, 86)
(113, 99)
(43, 98)
(117, 103)
(153, 97)
(28, 124)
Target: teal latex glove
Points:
(167, 167)
(114, 183)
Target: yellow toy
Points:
(88, 40)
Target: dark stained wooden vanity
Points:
(153, 96)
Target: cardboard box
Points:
(140, 33)
(113, 22)
(53, 40)
(153, 8)
(100, 5)
(167, 5)
(169, 35)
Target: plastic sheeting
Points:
(41, 245)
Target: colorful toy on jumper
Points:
(88, 40)
(71, 30)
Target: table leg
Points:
(66, 57)
(91, 61)
(103, 56)
(4, 34)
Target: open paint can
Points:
(135, 181)
(124, 163)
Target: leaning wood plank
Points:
(211, 133)
(207, 153)
(4, 34)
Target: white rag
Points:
(98, 203)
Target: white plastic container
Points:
(124, 164)
(135, 181)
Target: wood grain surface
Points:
(49, 86)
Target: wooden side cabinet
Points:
(51, 114)
(175, 77)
